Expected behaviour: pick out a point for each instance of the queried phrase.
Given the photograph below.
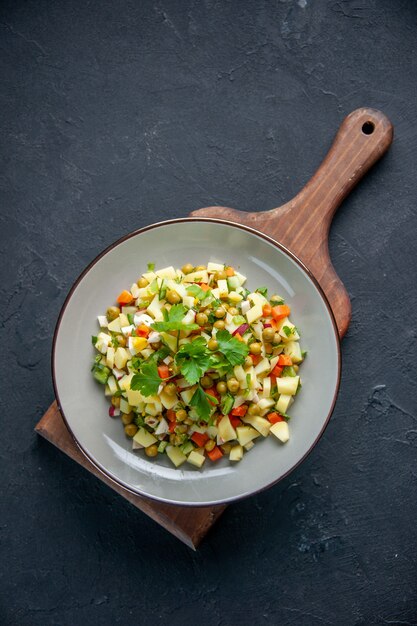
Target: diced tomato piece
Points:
(171, 415)
(235, 421)
(125, 297)
(240, 411)
(280, 311)
(255, 358)
(273, 379)
(284, 360)
(142, 331)
(172, 426)
(277, 371)
(212, 392)
(200, 439)
(163, 371)
(215, 454)
(275, 417)
(267, 310)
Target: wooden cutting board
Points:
(302, 225)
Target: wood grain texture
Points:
(303, 223)
(189, 524)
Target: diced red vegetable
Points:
(172, 426)
(230, 271)
(255, 358)
(277, 371)
(235, 421)
(215, 454)
(142, 331)
(241, 330)
(284, 360)
(200, 439)
(280, 311)
(125, 297)
(239, 411)
(275, 417)
(171, 415)
(163, 371)
(212, 392)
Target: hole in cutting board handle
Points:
(368, 128)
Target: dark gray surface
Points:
(117, 114)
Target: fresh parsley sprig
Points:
(173, 320)
(203, 403)
(147, 381)
(193, 360)
(234, 350)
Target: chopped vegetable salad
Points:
(197, 366)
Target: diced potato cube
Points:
(150, 276)
(144, 438)
(187, 394)
(257, 298)
(121, 357)
(167, 272)
(288, 385)
(225, 430)
(196, 459)
(288, 331)
(124, 383)
(246, 434)
(283, 403)
(188, 301)
(263, 366)
(235, 297)
(125, 406)
(223, 287)
(254, 313)
(168, 401)
(236, 453)
(124, 320)
(134, 397)
(112, 385)
(110, 357)
(249, 446)
(175, 455)
(265, 403)
(155, 308)
(281, 431)
(214, 267)
(293, 350)
(114, 326)
(197, 277)
(260, 423)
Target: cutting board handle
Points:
(303, 223)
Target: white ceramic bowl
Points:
(85, 409)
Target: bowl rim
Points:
(106, 475)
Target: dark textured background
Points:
(115, 114)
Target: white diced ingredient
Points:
(134, 290)
(265, 403)
(103, 321)
(235, 297)
(266, 387)
(245, 307)
(257, 298)
(293, 350)
(134, 397)
(187, 394)
(239, 373)
(162, 427)
(225, 429)
(168, 401)
(142, 318)
(246, 434)
(121, 357)
(125, 407)
(261, 424)
(242, 279)
(136, 445)
(249, 446)
(127, 330)
(154, 337)
(150, 276)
